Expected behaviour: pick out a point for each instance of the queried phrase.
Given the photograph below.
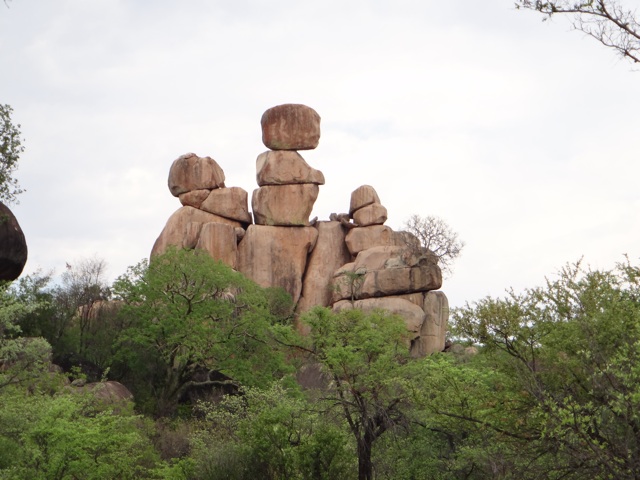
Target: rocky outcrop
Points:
(13, 246)
(351, 261)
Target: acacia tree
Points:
(605, 20)
(569, 353)
(367, 358)
(436, 236)
(192, 322)
(10, 150)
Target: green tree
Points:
(367, 359)
(22, 359)
(569, 357)
(270, 433)
(197, 323)
(611, 24)
(71, 436)
(10, 150)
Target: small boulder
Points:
(374, 214)
(361, 197)
(290, 127)
(194, 198)
(191, 172)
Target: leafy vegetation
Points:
(546, 387)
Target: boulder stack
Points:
(351, 261)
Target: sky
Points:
(521, 134)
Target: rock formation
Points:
(351, 261)
(13, 246)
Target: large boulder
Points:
(285, 205)
(329, 254)
(276, 256)
(219, 241)
(230, 203)
(434, 328)
(285, 167)
(363, 238)
(13, 246)
(290, 127)
(182, 230)
(191, 172)
(412, 315)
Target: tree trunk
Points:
(365, 467)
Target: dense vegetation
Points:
(549, 389)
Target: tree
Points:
(569, 354)
(436, 236)
(605, 20)
(193, 322)
(21, 359)
(367, 358)
(10, 150)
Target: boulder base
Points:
(276, 256)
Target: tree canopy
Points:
(10, 150)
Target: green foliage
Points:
(22, 360)
(70, 436)
(367, 358)
(271, 434)
(10, 150)
(185, 313)
(568, 355)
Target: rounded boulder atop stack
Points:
(290, 127)
(190, 172)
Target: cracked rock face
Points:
(13, 245)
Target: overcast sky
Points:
(522, 135)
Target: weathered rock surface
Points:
(285, 167)
(219, 240)
(329, 254)
(359, 239)
(374, 214)
(191, 172)
(290, 127)
(434, 328)
(194, 198)
(13, 246)
(175, 231)
(412, 315)
(276, 256)
(387, 271)
(285, 205)
(361, 197)
(230, 203)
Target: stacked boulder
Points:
(391, 271)
(351, 261)
(212, 217)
